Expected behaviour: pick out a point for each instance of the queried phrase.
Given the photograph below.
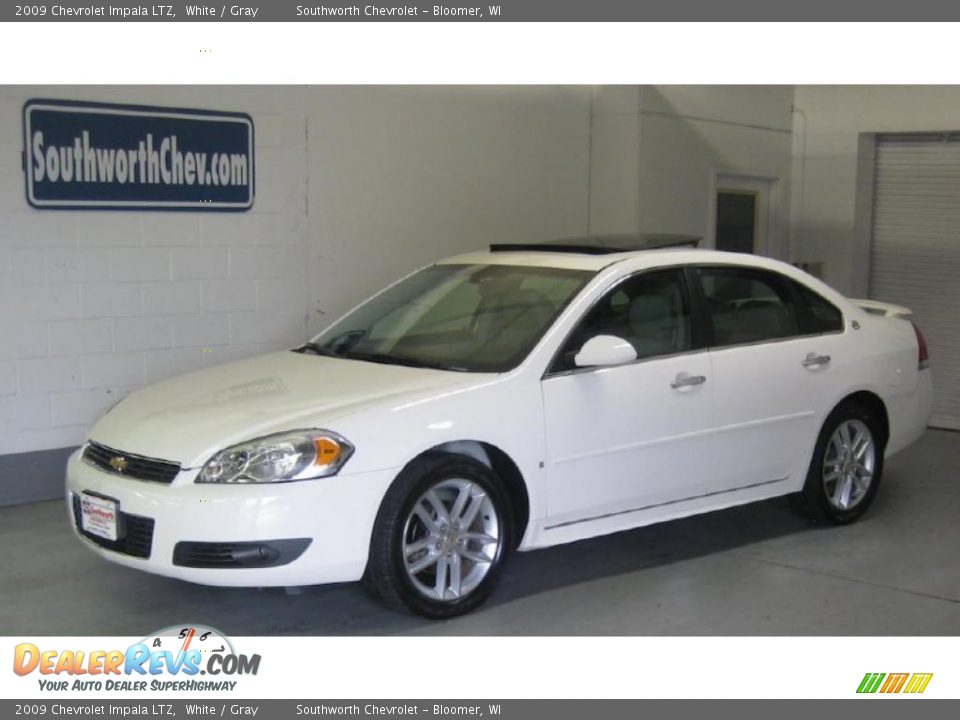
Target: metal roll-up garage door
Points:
(915, 255)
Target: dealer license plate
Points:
(98, 516)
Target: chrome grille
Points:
(118, 462)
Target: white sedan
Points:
(506, 400)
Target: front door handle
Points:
(812, 360)
(683, 380)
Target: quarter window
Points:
(649, 310)
(747, 305)
(821, 315)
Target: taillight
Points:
(923, 355)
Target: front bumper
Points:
(336, 514)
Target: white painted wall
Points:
(401, 176)
(615, 169)
(828, 123)
(355, 186)
(691, 134)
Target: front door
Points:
(633, 436)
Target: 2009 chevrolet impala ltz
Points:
(517, 398)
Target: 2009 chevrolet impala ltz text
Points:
(504, 400)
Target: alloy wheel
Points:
(451, 538)
(849, 464)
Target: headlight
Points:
(299, 455)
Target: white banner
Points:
(500, 667)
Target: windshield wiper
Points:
(382, 358)
(387, 359)
(316, 349)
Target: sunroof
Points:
(602, 244)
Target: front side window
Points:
(477, 318)
(747, 305)
(649, 310)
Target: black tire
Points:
(386, 574)
(813, 501)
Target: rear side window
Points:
(747, 305)
(819, 315)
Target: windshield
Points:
(478, 318)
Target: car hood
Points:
(187, 418)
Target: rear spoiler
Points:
(875, 307)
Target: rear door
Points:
(776, 370)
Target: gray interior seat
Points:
(516, 313)
(759, 321)
(654, 325)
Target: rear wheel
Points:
(440, 537)
(846, 467)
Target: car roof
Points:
(624, 263)
(584, 252)
(604, 244)
(630, 260)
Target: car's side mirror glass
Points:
(605, 350)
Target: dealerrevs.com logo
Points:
(183, 658)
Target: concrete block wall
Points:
(94, 304)
(354, 188)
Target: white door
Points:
(915, 256)
(633, 436)
(777, 363)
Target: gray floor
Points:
(755, 570)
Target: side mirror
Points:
(604, 350)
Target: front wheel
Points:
(846, 467)
(440, 537)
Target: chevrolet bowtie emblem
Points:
(118, 463)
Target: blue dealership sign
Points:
(80, 155)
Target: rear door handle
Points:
(683, 380)
(812, 360)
